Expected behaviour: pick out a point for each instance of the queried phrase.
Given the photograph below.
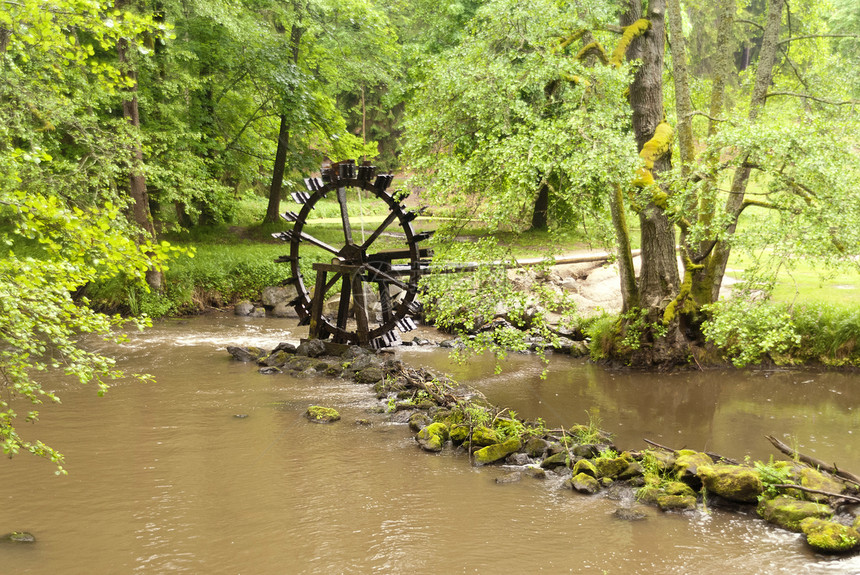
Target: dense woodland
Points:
(122, 122)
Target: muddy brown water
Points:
(164, 478)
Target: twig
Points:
(819, 491)
(657, 445)
(812, 461)
(815, 98)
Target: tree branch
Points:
(819, 491)
(787, 40)
(816, 98)
(812, 461)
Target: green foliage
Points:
(637, 328)
(771, 475)
(602, 331)
(746, 331)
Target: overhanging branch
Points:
(815, 98)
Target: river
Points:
(164, 477)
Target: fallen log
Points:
(812, 461)
(714, 456)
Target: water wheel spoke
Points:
(344, 215)
(319, 243)
(386, 278)
(378, 231)
(343, 305)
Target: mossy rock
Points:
(483, 436)
(536, 447)
(584, 483)
(788, 512)
(459, 433)
(634, 469)
(557, 460)
(814, 479)
(277, 359)
(301, 363)
(19, 537)
(535, 472)
(732, 482)
(418, 421)
(687, 462)
(369, 375)
(585, 466)
(433, 437)
(498, 451)
(246, 354)
(649, 494)
(676, 502)
(665, 459)
(678, 488)
(610, 467)
(319, 414)
(829, 536)
(585, 450)
(856, 524)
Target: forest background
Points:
(145, 149)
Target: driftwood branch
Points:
(818, 491)
(813, 461)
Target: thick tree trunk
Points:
(658, 277)
(274, 206)
(137, 181)
(764, 73)
(540, 215)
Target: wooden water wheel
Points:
(356, 268)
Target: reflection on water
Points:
(163, 477)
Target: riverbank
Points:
(446, 415)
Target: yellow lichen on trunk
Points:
(596, 48)
(638, 28)
(686, 286)
(653, 150)
(565, 42)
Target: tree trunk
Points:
(702, 279)
(137, 181)
(658, 277)
(629, 290)
(540, 219)
(734, 204)
(274, 206)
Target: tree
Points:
(63, 219)
(465, 132)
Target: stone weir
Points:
(445, 414)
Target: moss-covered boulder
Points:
(687, 463)
(584, 483)
(459, 433)
(788, 512)
(483, 436)
(498, 451)
(418, 421)
(586, 450)
(369, 375)
(814, 479)
(535, 472)
(732, 482)
(676, 502)
(649, 493)
(678, 488)
(610, 467)
(319, 414)
(634, 469)
(829, 536)
(585, 466)
(536, 447)
(857, 523)
(433, 437)
(558, 460)
(247, 354)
